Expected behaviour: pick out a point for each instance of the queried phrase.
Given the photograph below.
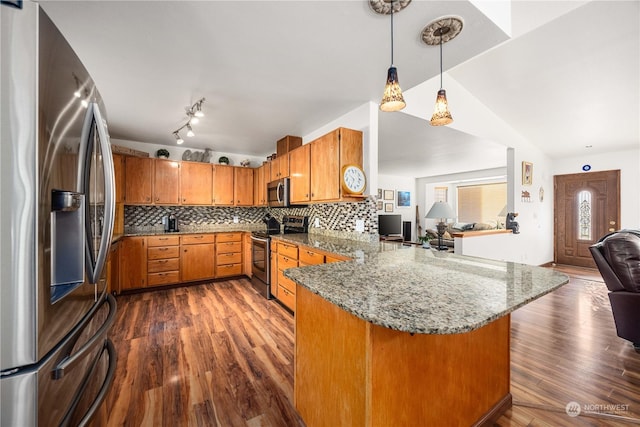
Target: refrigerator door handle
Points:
(102, 393)
(94, 116)
(109, 193)
(69, 362)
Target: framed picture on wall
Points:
(388, 194)
(379, 205)
(404, 199)
(388, 207)
(527, 173)
(379, 193)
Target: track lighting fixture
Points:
(194, 113)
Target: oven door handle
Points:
(259, 239)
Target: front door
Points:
(587, 206)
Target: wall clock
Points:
(352, 179)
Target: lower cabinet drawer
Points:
(228, 270)
(287, 297)
(166, 278)
(285, 262)
(163, 252)
(160, 265)
(226, 247)
(228, 258)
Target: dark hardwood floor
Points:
(220, 355)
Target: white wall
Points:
(629, 164)
(176, 152)
(389, 182)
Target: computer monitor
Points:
(389, 225)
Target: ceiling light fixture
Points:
(392, 99)
(438, 32)
(194, 113)
(179, 140)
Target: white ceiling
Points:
(568, 77)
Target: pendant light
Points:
(438, 32)
(392, 99)
(441, 114)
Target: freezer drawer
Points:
(71, 383)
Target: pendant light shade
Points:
(392, 99)
(441, 115)
(437, 32)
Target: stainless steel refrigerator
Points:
(56, 224)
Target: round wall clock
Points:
(353, 180)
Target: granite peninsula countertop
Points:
(416, 290)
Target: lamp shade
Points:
(441, 115)
(440, 210)
(392, 99)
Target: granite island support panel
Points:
(408, 335)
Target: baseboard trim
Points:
(489, 418)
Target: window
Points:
(481, 203)
(584, 215)
(440, 194)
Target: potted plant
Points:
(162, 154)
(425, 241)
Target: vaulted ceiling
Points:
(561, 76)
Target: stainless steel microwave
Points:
(278, 193)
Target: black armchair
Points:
(617, 256)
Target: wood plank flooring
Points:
(220, 355)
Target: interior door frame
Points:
(605, 226)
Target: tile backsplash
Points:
(335, 219)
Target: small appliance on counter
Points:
(294, 224)
(170, 223)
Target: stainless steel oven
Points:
(260, 260)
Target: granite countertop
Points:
(416, 290)
(194, 229)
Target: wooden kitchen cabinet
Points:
(243, 186)
(246, 255)
(274, 268)
(280, 167)
(228, 254)
(139, 180)
(330, 153)
(163, 260)
(166, 182)
(287, 258)
(118, 172)
(113, 269)
(133, 263)
(259, 186)
(197, 257)
(223, 190)
(300, 179)
(196, 182)
(286, 144)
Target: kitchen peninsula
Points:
(407, 335)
